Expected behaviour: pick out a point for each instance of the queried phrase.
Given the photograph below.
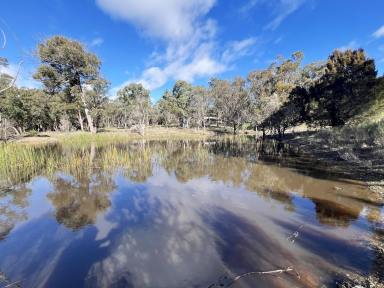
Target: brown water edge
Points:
(197, 200)
(353, 158)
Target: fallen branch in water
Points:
(12, 285)
(278, 271)
(230, 282)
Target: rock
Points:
(377, 189)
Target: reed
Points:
(110, 137)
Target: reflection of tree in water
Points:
(13, 201)
(79, 201)
(193, 160)
(333, 214)
(236, 163)
(186, 159)
(251, 149)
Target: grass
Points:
(72, 152)
(21, 162)
(356, 150)
(117, 136)
(360, 136)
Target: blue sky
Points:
(156, 42)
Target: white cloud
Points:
(166, 19)
(191, 50)
(278, 40)
(379, 32)
(98, 41)
(280, 9)
(350, 46)
(186, 64)
(238, 49)
(249, 5)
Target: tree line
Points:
(342, 89)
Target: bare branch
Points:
(275, 273)
(14, 79)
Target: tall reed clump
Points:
(84, 138)
(22, 162)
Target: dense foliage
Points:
(344, 89)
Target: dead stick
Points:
(279, 271)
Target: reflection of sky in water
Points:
(168, 233)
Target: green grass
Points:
(21, 162)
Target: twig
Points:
(11, 285)
(274, 273)
(278, 271)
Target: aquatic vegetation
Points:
(21, 162)
(119, 136)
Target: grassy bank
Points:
(116, 135)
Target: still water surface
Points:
(183, 214)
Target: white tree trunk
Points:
(88, 115)
(81, 121)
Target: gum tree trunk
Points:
(88, 115)
(81, 121)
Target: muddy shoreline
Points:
(354, 162)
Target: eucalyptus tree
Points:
(167, 109)
(240, 103)
(346, 87)
(302, 96)
(67, 68)
(136, 100)
(181, 98)
(200, 104)
(264, 101)
(232, 101)
(27, 109)
(219, 91)
(270, 88)
(96, 98)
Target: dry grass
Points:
(116, 136)
(355, 150)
